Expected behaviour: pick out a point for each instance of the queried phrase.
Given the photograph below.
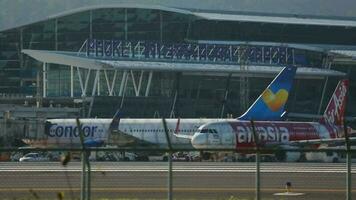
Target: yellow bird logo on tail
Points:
(275, 101)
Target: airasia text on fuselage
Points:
(265, 133)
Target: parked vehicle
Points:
(181, 156)
(33, 157)
(116, 156)
(16, 156)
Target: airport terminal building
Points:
(173, 58)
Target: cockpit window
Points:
(208, 131)
(204, 131)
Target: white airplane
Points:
(97, 132)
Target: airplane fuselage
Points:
(235, 134)
(65, 131)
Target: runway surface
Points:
(191, 180)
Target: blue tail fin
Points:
(270, 104)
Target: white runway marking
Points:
(181, 167)
(288, 194)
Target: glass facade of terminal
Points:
(197, 95)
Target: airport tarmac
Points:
(191, 180)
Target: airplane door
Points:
(228, 136)
(213, 137)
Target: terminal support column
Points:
(327, 64)
(149, 83)
(71, 82)
(112, 85)
(123, 81)
(225, 96)
(44, 82)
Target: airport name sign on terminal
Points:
(109, 49)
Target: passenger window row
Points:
(160, 130)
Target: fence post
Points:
(258, 184)
(348, 180)
(348, 162)
(170, 171)
(88, 178)
(83, 177)
(170, 176)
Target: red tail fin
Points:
(334, 112)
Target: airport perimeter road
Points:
(193, 180)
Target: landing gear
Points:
(280, 155)
(205, 155)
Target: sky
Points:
(14, 13)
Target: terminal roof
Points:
(80, 60)
(315, 12)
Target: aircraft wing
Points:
(44, 143)
(117, 137)
(120, 138)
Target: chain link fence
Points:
(122, 173)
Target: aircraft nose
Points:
(198, 140)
